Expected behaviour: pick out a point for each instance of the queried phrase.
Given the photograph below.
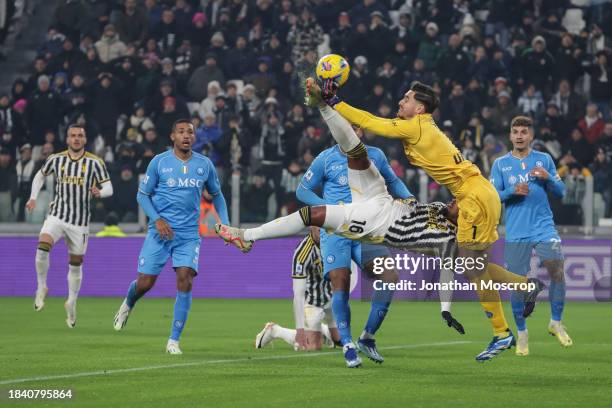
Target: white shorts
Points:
(367, 217)
(315, 316)
(75, 237)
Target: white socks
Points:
(326, 333)
(341, 130)
(75, 276)
(288, 335)
(42, 267)
(280, 227)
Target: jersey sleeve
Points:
(313, 177)
(101, 172)
(498, 181)
(396, 186)
(49, 166)
(408, 130)
(300, 258)
(555, 185)
(151, 178)
(212, 182)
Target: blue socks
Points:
(381, 299)
(518, 305)
(342, 314)
(132, 297)
(556, 294)
(181, 311)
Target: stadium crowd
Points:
(127, 69)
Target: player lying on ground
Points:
(374, 216)
(170, 195)
(523, 178)
(479, 205)
(78, 175)
(314, 322)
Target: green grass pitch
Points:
(427, 364)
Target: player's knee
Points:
(145, 282)
(44, 246)
(555, 270)
(76, 260)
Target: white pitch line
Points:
(209, 362)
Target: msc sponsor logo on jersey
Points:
(522, 178)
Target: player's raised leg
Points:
(45, 243)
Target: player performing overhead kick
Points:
(523, 179)
(170, 195)
(375, 217)
(77, 174)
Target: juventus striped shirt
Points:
(307, 265)
(73, 180)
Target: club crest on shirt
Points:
(342, 180)
(330, 258)
(512, 180)
(200, 171)
(171, 182)
(539, 164)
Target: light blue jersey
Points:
(527, 217)
(176, 188)
(329, 171)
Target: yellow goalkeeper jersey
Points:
(424, 144)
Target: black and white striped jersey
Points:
(73, 180)
(307, 265)
(420, 226)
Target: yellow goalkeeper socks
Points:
(499, 275)
(491, 303)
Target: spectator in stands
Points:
(340, 36)
(577, 149)
(106, 96)
(199, 80)
(430, 46)
(568, 59)
(43, 111)
(531, 102)
(125, 186)
(304, 35)
(592, 125)
(259, 192)
(453, 64)
(72, 18)
(111, 226)
(168, 33)
(25, 173)
(538, 65)
(233, 145)
(502, 113)
(571, 105)
(290, 180)
(601, 84)
(605, 142)
(491, 150)
(601, 168)
(109, 46)
(199, 32)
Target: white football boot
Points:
(121, 317)
(70, 313)
(39, 299)
(264, 337)
(172, 347)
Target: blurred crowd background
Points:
(127, 69)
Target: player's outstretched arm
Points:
(37, 183)
(307, 196)
(221, 207)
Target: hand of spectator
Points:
(521, 189)
(539, 173)
(164, 229)
(30, 205)
(95, 191)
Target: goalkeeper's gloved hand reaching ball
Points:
(329, 87)
(452, 322)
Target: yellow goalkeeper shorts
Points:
(479, 213)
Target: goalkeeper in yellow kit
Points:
(427, 147)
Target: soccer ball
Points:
(333, 66)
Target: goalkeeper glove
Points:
(328, 92)
(452, 322)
